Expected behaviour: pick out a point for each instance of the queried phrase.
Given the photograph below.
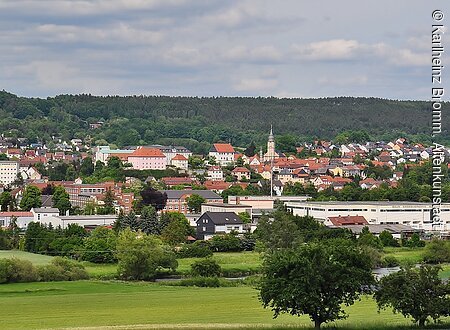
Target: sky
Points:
(281, 48)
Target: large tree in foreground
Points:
(415, 292)
(316, 279)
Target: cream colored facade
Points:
(8, 171)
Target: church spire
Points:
(271, 134)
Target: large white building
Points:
(414, 214)
(8, 171)
(223, 153)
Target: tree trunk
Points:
(422, 322)
(317, 324)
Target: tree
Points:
(61, 200)
(109, 199)
(140, 256)
(366, 238)
(87, 167)
(7, 202)
(245, 217)
(418, 293)
(148, 221)
(437, 251)
(316, 279)
(100, 246)
(14, 231)
(194, 203)
(151, 196)
(387, 239)
(31, 198)
(175, 228)
(130, 221)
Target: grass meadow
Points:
(110, 304)
(137, 305)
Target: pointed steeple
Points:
(271, 134)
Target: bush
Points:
(50, 273)
(413, 242)
(62, 269)
(226, 243)
(436, 252)
(17, 270)
(206, 268)
(142, 256)
(199, 249)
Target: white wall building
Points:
(8, 171)
(414, 214)
(223, 153)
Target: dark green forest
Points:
(196, 122)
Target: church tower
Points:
(270, 147)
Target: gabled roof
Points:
(147, 152)
(179, 157)
(222, 218)
(222, 147)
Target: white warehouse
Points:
(414, 214)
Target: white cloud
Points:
(338, 49)
(255, 85)
(255, 54)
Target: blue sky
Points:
(283, 48)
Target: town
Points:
(321, 179)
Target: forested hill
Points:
(197, 122)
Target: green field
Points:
(95, 304)
(405, 255)
(36, 259)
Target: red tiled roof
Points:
(179, 157)
(217, 185)
(241, 169)
(223, 147)
(16, 214)
(348, 220)
(147, 152)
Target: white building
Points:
(23, 218)
(172, 151)
(46, 215)
(180, 161)
(8, 171)
(215, 173)
(414, 214)
(223, 153)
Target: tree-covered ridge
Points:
(197, 122)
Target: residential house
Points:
(216, 223)
(215, 173)
(217, 186)
(241, 173)
(179, 161)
